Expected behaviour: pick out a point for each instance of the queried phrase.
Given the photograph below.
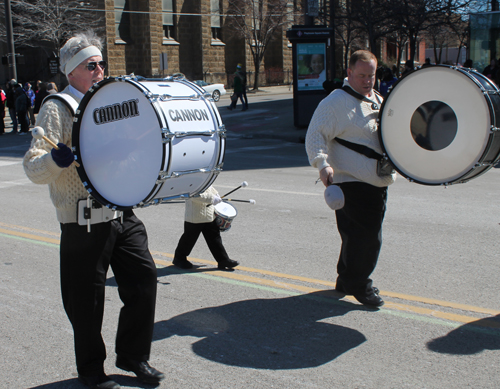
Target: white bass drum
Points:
(439, 125)
(141, 142)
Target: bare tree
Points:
(416, 16)
(375, 19)
(400, 39)
(49, 23)
(441, 36)
(346, 28)
(257, 21)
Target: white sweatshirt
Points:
(344, 116)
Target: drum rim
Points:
(226, 203)
(76, 143)
(465, 71)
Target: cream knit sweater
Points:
(197, 210)
(65, 186)
(342, 115)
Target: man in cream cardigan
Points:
(359, 222)
(85, 256)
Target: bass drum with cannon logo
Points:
(439, 125)
(141, 142)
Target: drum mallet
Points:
(243, 185)
(251, 201)
(39, 133)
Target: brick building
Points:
(156, 38)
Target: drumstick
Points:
(39, 133)
(251, 201)
(242, 185)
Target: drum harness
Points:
(384, 167)
(89, 211)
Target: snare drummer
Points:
(200, 218)
(359, 222)
(85, 256)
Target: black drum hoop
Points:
(76, 143)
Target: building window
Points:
(169, 35)
(216, 33)
(215, 21)
(122, 22)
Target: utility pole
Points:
(11, 56)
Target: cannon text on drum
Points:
(188, 115)
(114, 112)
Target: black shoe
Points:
(142, 370)
(228, 263)
(98, 381)
(372, 299)
(182, 263)
(340, 288)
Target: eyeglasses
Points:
(92, 65)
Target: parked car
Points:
(217, 90)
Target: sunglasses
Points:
(92, 65)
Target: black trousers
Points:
(85, 259)
(359, 223)
(24, 121)
(211, 233)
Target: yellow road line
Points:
(305, 289)
(29, 236)
(401, 296)
(14, 227)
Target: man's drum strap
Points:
(69, 101)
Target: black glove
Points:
(62, 157)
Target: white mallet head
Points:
(334, 197)
(38, 132)
(244, 184)
(251, 201)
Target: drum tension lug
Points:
(494, 129)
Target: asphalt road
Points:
(274, 322)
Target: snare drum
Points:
(224, 215)
(141, 142)
(439, 125)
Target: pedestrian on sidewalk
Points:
(200, 218)
(22, 104)
(11, 103)
(41, 94)
(31, 95)
(239, 89)
(3, 99)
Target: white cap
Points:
(334, 197)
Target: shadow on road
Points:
(124, 381)
(278, 333)
(471, 338)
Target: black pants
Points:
(211, 233)
(240, 95)
(85, 259)
(359, 223)
(24, 121)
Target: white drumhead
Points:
(458, 114)
(226, 209)
(122, 158)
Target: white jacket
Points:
(197, 210)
